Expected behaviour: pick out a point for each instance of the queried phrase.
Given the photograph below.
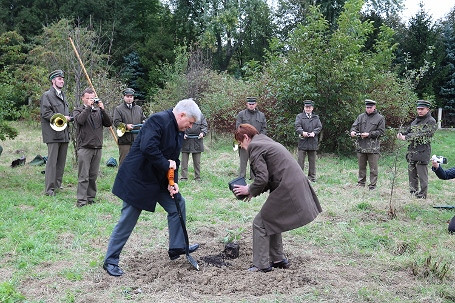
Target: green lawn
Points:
(50, 250)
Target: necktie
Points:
(129, 106)
(308, 115)
(59, 94)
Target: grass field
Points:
(52, 251)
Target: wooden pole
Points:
(90, 82)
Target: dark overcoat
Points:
(133, 115)
(51, 104)
(374, 124)
(143, 173)
(292, 201)
(252, 117)
(192, 144)
(305, 124)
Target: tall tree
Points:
(448, 89)
(336, 71)
(422, 49)
(240, 28)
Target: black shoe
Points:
(255, 269)
(113, 270)
(282, 264)
(174, 253)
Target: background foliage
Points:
(337, 53)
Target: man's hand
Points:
(242, 190)
(401, 136)
(435, 164)
(172, 164)
(173, 189)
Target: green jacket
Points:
(123, 114)
(374, 124)
(419, 135)
(309, 125)
(255, 118)
(51, 104)
(192, 144)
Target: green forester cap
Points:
(308, 103)
(56, 73)
(423, 103)
(251, 99)
(128, 91)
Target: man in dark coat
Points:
(368, 128)
(419, 135)
(89, 118)
(251, 115)
(292, 202)
(308, 126)
(141, 181)
(193, 143)
(53, 102)
(130, 115)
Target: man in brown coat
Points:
(89, 118)
(308, 126)
(193, 143)
(53, 102)
(368, 128)
(292, 202)
(131, 115)
(251, 115)
(419, 135)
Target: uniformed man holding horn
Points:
(53, 106)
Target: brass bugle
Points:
(121, 129)
(58, 122)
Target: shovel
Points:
(170, 177)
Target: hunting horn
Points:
(58, 122)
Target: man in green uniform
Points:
(419, 135)
(308, 126)
(368, 128)
(251, 115)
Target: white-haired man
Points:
(142, 182)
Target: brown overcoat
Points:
(292, 201)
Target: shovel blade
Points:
(192, 261)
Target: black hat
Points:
(423, 103)
(251, 100)
(369, 102)
(128, 91)
(56, 73)
(308, 103)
